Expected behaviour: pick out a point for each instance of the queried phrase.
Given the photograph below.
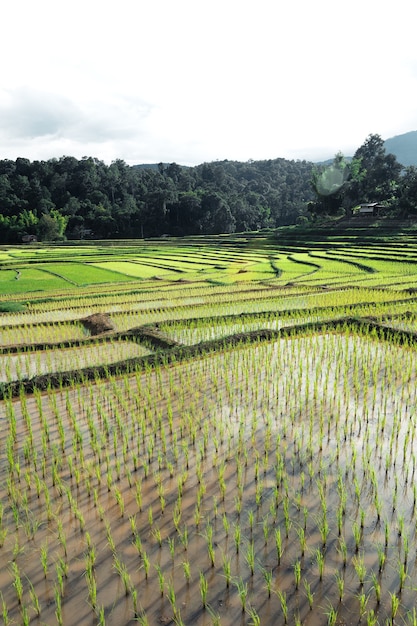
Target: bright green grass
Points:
(83, 274)
(135, 270)
(222, 261)
(30, 279)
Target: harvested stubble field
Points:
(225, 451)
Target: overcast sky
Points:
(199, 80)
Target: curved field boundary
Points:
(316, 266)
(365, 268)
(178, 353)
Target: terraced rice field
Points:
(229, 440)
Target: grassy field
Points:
(215, 430)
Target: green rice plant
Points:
(109, 536)
(138, 495)
(44, 558)
(267, 574)
(172, 598)
(134, 595)
(360, 568)
(226, 524)
(242, 591)
(133, 526)
(376, 585)
(320, 560)
(284, 606)
(371, 618)
(24, 614)
(278, 544)
(297, 574)
(256, 620)
(161, 579)
(120, 501)
(137, 542)
(227, 569)
(266, 527)
(250, 557)
(146, 563)
(156, 533)
(142, 618)
(5, 611)
(331, 616)
(381, 557)
(101, 617)
(198, 516)
(363, 602)
(61, 536)
(324, 530)
(340, 581)
(303, 543)
(412, 617)
(58, 606)
(287, 518)
(395, 603)
(123, 573)
(357, 535)
(92, 588)
(402, 575)
(237, 537)
(171, 546)
(203, 585)
(210, 546)
(187, 570)
(17, 581)
(251, 518)
(406, 549)
(184, 537)
(34, 599)
(63, 567)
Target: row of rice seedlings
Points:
(145, 292)
(205, 329)
(45, 317)
(41, 333)
(35, 363)
(224, 440)
(175, 301)
(346, 297)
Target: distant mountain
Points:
(404, 147)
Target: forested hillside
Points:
(70, 198)
(81, 199)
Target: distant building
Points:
(371, 209)
(29, 239)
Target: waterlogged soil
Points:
(27, 365)
(274, 480)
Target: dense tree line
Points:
(76, 199)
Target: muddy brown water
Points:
(227, 452)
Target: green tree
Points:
(407, 192)
(378, 175)
(51, 226)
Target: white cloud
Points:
(188, 81)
